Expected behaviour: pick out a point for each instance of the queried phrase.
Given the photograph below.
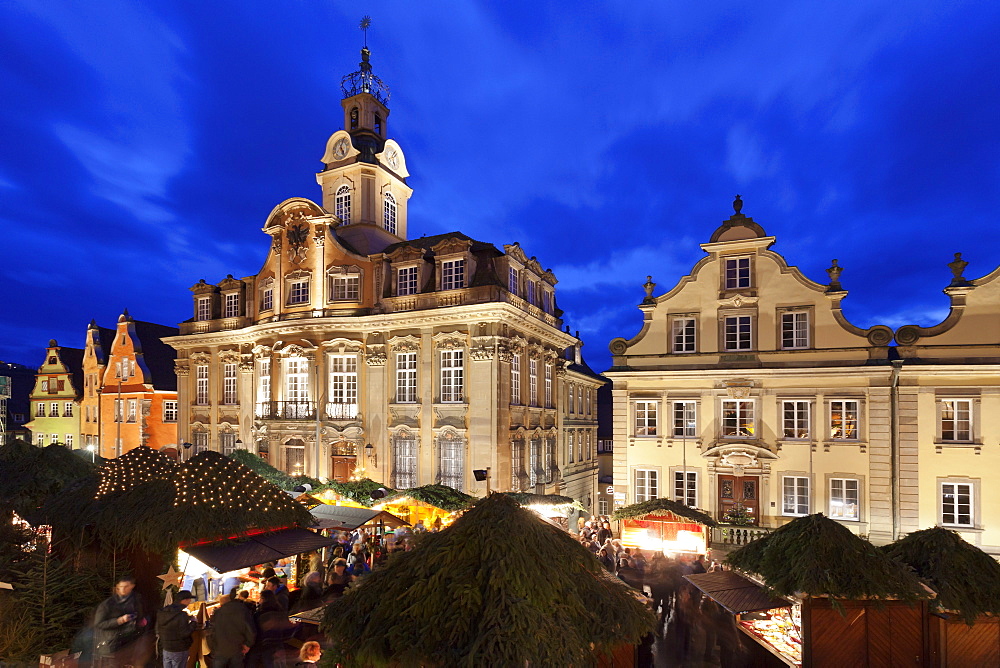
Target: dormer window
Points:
(406, 281)
(389, 213)
(512, 280)
(342, 204)
(231, 308)
(378, 125)
(354, 118)
(530, 294)
(737, 273)
(203, 308)
(345, 284)
(453, 274)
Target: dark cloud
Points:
(144, 146)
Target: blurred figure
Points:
(119, 624)
(174, 627)
(233, 633)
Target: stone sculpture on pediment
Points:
(405, 344)
(450, 340)
(342, 345)
(200, 358)
(229, 356)
(260, 351)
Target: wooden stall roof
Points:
(347, 518)
(735, 593)
(225, 556)
(664, 510)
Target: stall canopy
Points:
(734, 592)
(225, 556)
(346, 518)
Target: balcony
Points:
(341, 411)
(286, 410)
(216, 325)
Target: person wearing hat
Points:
(174, 627)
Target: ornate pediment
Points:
(200, 358)
(342, 345)
(230, 283)
(302, 349)
(229, 356)
(515, 251)
(261, 351)
(450, 340)
(202, 288)
(405, 344)
(738, 388)
(451, 246)
(406, 254)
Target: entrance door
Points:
(342, 468)
(739, 491)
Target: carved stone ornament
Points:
(483, 348)
(535, 350)
(504, 353)
(738, 301)
(376, 355)
(200, 358)
(739, 388)
(834, 273)
(405, 344)
(260, 351)
(515, 251)
(550, 356)
(229, 356)
(618, 346)
(276, 241)
(742, 459)
(181, 367)
(319, 234)
(246, 363)
(518, 344)
(450, 340)
(561, 367)
(341, 345)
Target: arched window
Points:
(354, 118)
(389, 213)
(378, 125)
(451, 451)
(404, 461)
(342, 204)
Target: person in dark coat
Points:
(273, 629)
(119, 623)
(174, 627)
(604, 533)
(233, 633)
(273, 584)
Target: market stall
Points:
(553, 507)
(773, 622)
(857, 607)
(664, 525)
(963, 621)
(346, 518)
(429, 507)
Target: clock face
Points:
(393, 158)
(341, 147)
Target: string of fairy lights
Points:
(208, 479)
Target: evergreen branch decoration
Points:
(439, 496)
(31, 474)
(554, 500)
(499, 587)
(966, 579)
(358, 490)
(817, 556)
(638, 511)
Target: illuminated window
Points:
(342, 204)
(297, 402)
(569, 448)
(343, 388)
(345, 284)
(844, 420)
(515, 379)
(267, 295)
(69, 441)
(170, 411)
(298, 291)
(132, 406)
(264, 388)
(738, 418)
(844, 499)
(389, 213)
(201, 385)
(40, 409)
(548, 386)
(204, 308)
(737, 273)
(957, 504)
(645, 418)
(532, 382)
(68, 409)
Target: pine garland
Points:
(275, 476)
(554, 500)
(817, 556)
(359, 491)
(31, 474)
(439, 496)
(644, 508)
(499, 587)
(966, 579)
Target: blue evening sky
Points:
(142, 144)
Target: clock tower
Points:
(364, 175)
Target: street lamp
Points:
(371, 454)
(93, 455)
(239, 444)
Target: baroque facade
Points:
(747, 392)
(55, 398)
(356, 351)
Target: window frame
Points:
(740, 418)
(230, 387)
(231, 305)
(342, 203)
(844, 499)
(342, 385)
(515, 379)
(407, 287)
(688, 427)
(645, 418)
(404, 461)
(203, 309)
(453, 273)
(942, 405)
(171, 409)
(687, 327)
(650, 484)
(844, 420)
(678, 486)
(973, 502)
(795, 426)
(738, 280)
(452, 376)
(299, 289)
(390, 213)
(406, 377)
(532, 382)
(455, 469)
(806, 326)
(738, 333)
(797, 489)
(201, 397)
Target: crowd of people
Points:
(695, 624)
